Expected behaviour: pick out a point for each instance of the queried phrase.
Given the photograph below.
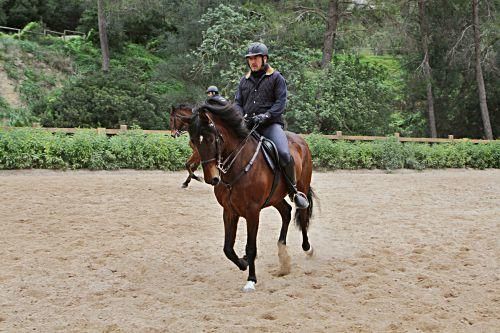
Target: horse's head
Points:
(214, 131)
(208, 141)
(180, 117)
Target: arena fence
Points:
(64, 35)
(337, 136)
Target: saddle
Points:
(270, 152)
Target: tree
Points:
(334, 13)
(3, 16)
(424, 35)
(479, 73)
(219, 57)
(354, 97)
(103, 35)
(331, 18)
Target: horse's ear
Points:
(172, 109)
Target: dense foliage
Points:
(36, 148)
(165, 52)
(349, 94)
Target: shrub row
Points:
(36, 148)
(391, 154)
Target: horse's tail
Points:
(303, 216)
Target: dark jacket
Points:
(217, 98)
(266, 94)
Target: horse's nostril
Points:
(215, 181)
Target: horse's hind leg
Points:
(285, 211)
(302, 217)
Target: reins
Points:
(222, 165)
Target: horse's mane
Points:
(228, 113)
(181, 106)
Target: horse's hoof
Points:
(184, 185)
(309, 253)
(249, 287)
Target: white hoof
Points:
(249, 287)
(310, 252)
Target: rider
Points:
(261, 97)
(213, 94)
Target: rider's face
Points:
(256, 62)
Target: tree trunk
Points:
(426, 67)
(103, 36)
(479, 73)
(330, 33)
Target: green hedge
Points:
(35, 148)
(391, 154)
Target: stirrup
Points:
(300, 200)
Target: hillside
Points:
(29, 72)
(51, 81)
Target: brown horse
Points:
(243, 182)
(180, 117)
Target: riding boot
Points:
(299, 198)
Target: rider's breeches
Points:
(276, 134)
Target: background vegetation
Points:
(165, 51)
(36, 148)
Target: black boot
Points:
(297, 197)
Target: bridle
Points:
(176, 132)
(218, 145)
(225, 165)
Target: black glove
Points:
(260, 118)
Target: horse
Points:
(180, 116)
(232, 162)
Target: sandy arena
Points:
(130, 251)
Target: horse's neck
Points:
(234, 143)
(182, 119)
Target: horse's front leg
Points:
(191, 165)
(230, 227)
(195, 163)
(190, 175)
(251, 248)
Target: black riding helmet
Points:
(213, 89)
(257, 49)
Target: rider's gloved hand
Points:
(261, 118)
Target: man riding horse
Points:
(261, 98)
(213, 94)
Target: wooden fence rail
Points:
(65, 34)
(337, 136)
